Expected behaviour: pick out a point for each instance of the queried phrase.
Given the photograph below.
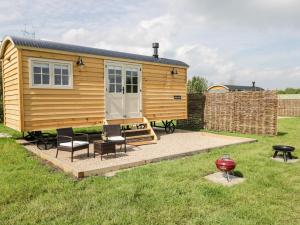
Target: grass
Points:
(169, 192)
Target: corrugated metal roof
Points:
(228, 87)
(33, 43)
(242, 88)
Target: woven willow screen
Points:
(244, 112)
(252, 112)
(289, 105)
(195, 110)
(1, 93)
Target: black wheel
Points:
(170, 127)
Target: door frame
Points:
(123, 64)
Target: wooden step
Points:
(136, 130)
(126, 121)
(139, 137)
(134, 125)
(138, 143)
(135, 136)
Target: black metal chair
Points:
(68, 141)
(43, 141)
(114, 134)
(46, 141)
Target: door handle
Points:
(123, 89)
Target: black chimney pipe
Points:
(253, 85)
(155, 47)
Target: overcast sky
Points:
(225, 41)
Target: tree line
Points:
(197, 85)
(289, 91)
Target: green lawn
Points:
(170, 192)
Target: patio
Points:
(169, 146)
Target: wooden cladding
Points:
(28, 109)
(159, 88)
(11, 95)
(82, 105)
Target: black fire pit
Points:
(286, 151)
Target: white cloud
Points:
(136, 39)
(268, 78)
(77, 36)
(8, 18)
(7, 15)
(254, 14)
(207, 62)
(224, 41)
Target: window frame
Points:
(115, 83)
(132, 84)
(123, 65)
(41, 66)
(52, 63)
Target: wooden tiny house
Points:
(229, 88)
(48, 85)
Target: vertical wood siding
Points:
(11, 97)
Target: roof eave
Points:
(100, 56)
(224, 86)
(4, 43)
(176, 63)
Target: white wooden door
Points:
(123, 91)
(132, 91)
(114, 100)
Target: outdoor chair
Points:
(43, 141)
(68, 141)
(113, 133)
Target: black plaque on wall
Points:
(177, 97)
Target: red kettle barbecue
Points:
(226, 165)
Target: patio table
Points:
(104, 147)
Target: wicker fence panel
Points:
(289, 107)
(195, 119)
(1, 93)
(244, 112)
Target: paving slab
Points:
(279, 158)
(220, 178)
(169, 146)
(5, 135)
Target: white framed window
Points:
(47, 73)
(115, 79)
(131, 81)
(41, 74)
